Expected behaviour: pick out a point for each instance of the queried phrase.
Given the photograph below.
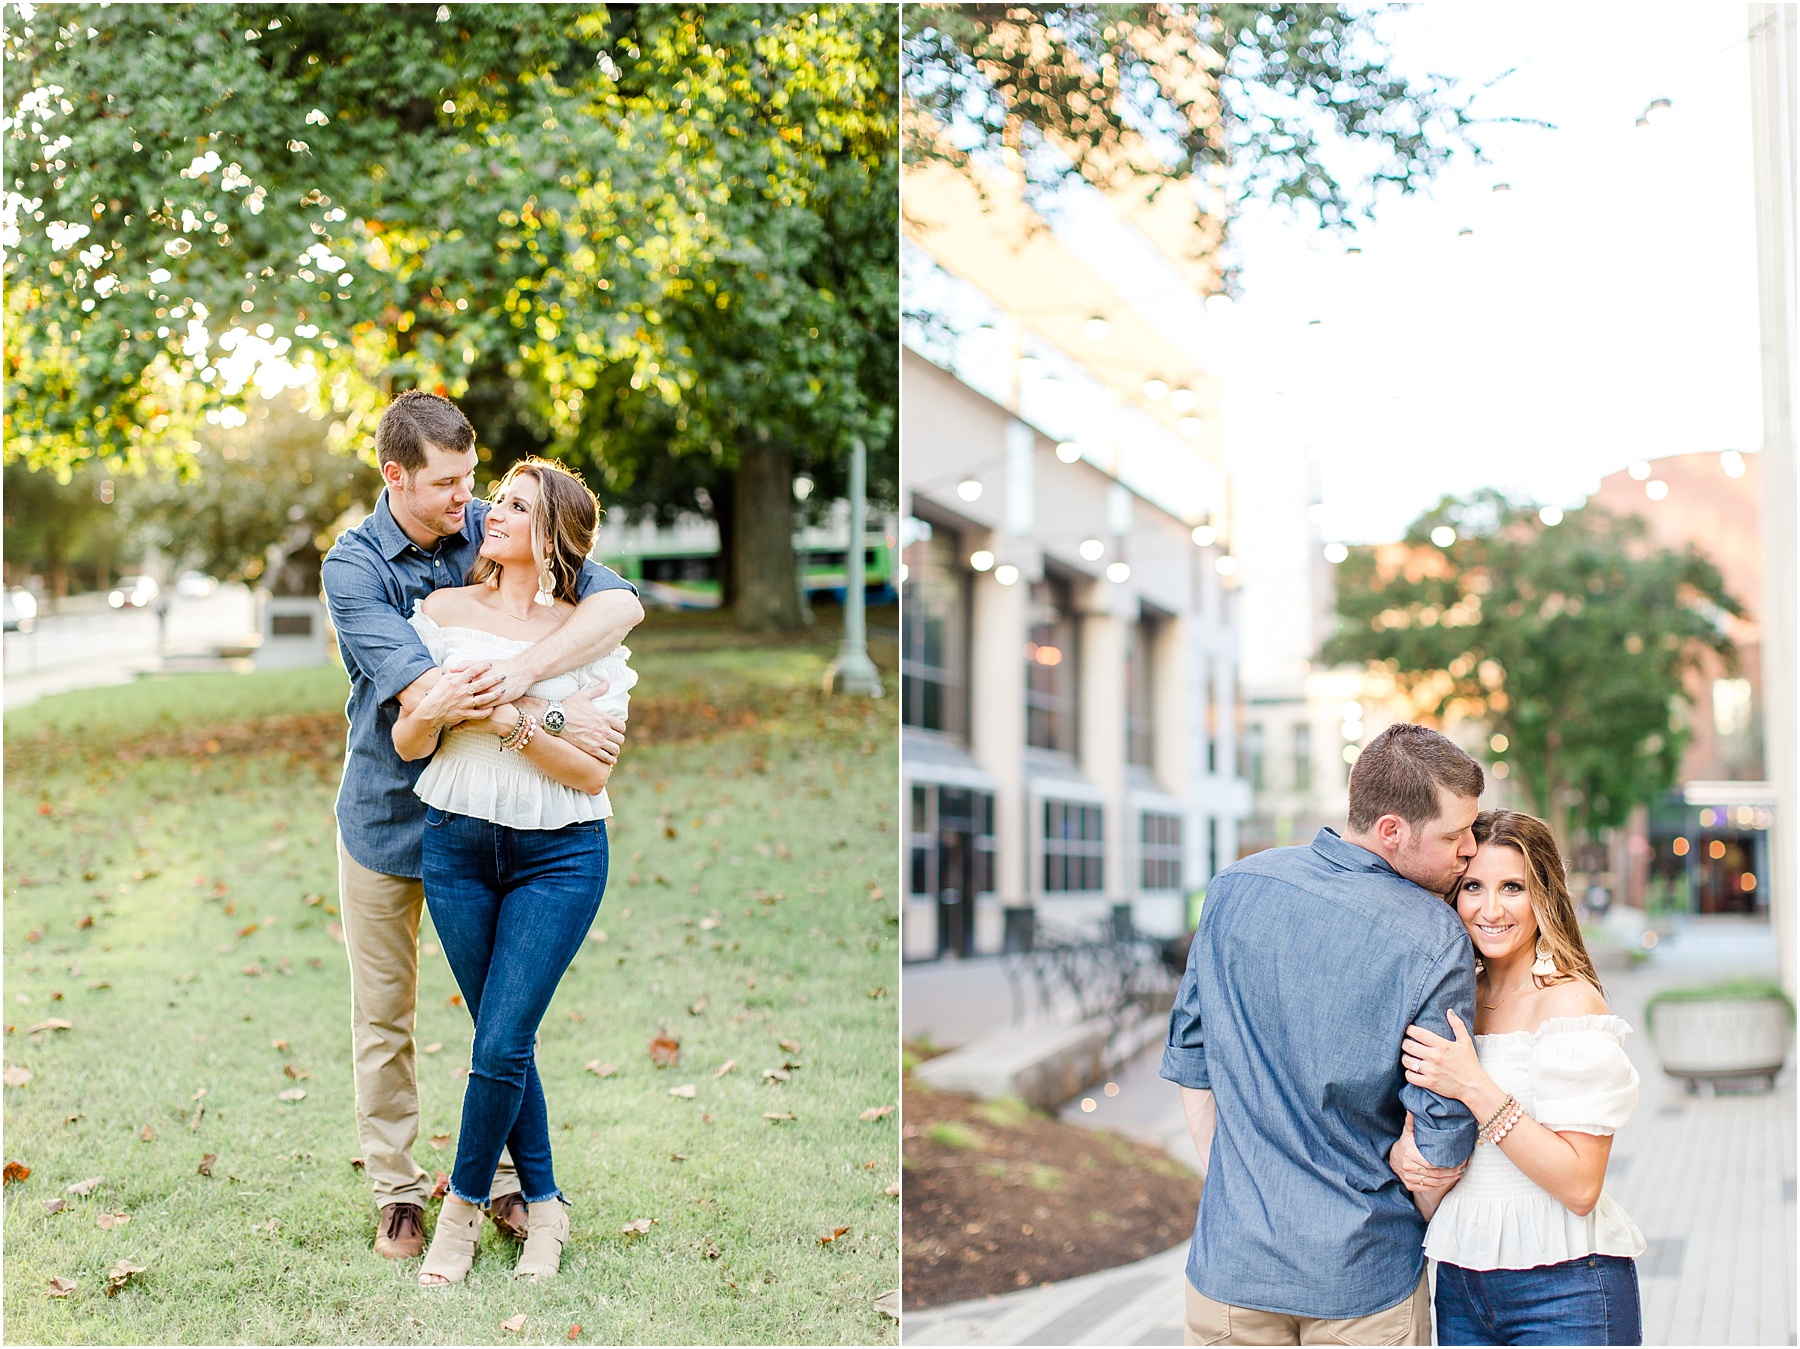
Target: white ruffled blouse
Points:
(471, 775)
(1570, 1074)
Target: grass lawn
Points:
(170, 894)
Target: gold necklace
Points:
(1495, 1006)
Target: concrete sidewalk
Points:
(1709, 1181)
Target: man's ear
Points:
(393, 475)
(1391, 830)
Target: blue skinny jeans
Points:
(511, 907)
(1589, 1300)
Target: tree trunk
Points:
(723, 496)
(762, 560)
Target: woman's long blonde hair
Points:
(1558, 927)
(562, 525)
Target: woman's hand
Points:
(1418, 1175)
(1446, 1067)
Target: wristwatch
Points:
(554, 720)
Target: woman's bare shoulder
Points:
(451, 603)
(1573, 997)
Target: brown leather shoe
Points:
(401, 1233)
(509, 1214)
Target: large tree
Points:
(1291, 103)
(502, 201)
(1573, 643)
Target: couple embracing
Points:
(488, 691)
(1391, 1046)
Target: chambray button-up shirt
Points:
(372, 576)
(1309, 964)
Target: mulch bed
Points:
(997, 1197)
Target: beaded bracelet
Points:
(1494, 1118)
(1498, 1128)
(531, 725)
(515, 737)
(1506, 1128)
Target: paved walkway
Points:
(1709, 1180)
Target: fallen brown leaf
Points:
(637, 1227)
(878, 992)
(877, 1112)
(60, 1287)
(776, 1074)
(249, 928)
(792, 1046)
(86, 1187)
(729, 1066)
(893, 1190)
(56, 1205)
(712, 1252)
(294, 1094)
(293, 1072)
(575, 1331)
(274, 1224)
(206, 1164)
(278, 1044)
(107, 1221)
(514, 1323)
(431, 1048)
(148, 1135)
(442, 1185)
(888, 1304)
(778, 1115)
(335, 930)
(832, 1235)
(440, 1141)
(695, 1008)
(665, 1050)
(678, 1156)
(357, 1163)
(599, 1069)
(253, 970)
(54, 1023)
(16, 1171)
(119, 1275)
(685, 1091)
(16, 1076)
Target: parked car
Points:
(21, 611)
(195, 585)
(137, 591)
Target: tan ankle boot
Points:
(452, 1244)
(546, 1232)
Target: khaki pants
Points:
(1406, 1322)
(381, 934)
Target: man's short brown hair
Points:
(415, 420)
(1399, 772)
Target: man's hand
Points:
(511, 680)
(1417, 1174)
(595, 733)
(458, 695)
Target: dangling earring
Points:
(546, 591)
(1480, 968)
(1544, 967)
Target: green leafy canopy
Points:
(1575, 642)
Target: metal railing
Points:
(1109, 970)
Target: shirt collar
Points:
(394, 540)
(1332, 846)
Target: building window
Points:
(934, 657)
(1052, 685)
(1212, 847)
(1160, 851)
(1302, 756)
(923, 842)
(1209, 690)
(1073, 846)
(1140, 695)
(1250, 757)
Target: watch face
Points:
(554, 721)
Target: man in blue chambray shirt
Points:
(1307, 968)
(424, 534)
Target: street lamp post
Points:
(853, 671)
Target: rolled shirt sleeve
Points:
(372, 632)
(1184, 1053)
(1443, 1129)
(594, 578)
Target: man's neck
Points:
(421, 536)
(1368, 844)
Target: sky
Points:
(1602, 310)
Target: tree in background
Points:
(1570, 645)
(504, 202)
(1293, 103)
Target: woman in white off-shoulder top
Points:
(515, 844)
(1530, 1248)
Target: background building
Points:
(1071, 720)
